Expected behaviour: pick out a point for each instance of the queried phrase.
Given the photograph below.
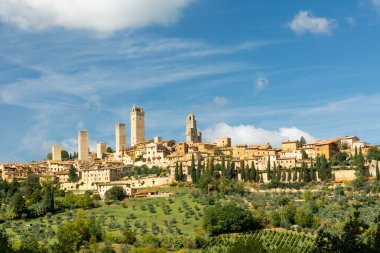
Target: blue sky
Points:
(258, 71)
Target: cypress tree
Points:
(176, 172)
(318, 167)
(324, 169)
(180, 173)
(283, 178)
(269, 176)
(228, 171)
(289, 175)
(232, 172)
(247, 174)
(199, 168)
(295, 176)
(193, 172)
(48, 199)
(212, 169)
(242, 170)
(223, 166)
(274, 175)
(253, 172)
(377, 171)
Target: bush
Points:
(115, 193)
(228, 218)
(77, 201)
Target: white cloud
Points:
(248, 134)
(220, 101)
(305, 22)
(101, 16)
(261, 82)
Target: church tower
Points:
(137, 125)
(192, 134)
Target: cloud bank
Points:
(248, 134)
(100, 16)
(305, 22)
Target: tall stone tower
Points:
(137, 125)
(192, 134)
(56, 153)
(101, 149)
(121, 138)
(83, 153)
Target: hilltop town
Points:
(157, 162)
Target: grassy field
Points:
(178, 215)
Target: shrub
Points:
(115, 193)
(228, 218)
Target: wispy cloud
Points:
(305, 22)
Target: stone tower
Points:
(137, 125)
(121, 138)
(56, 153)
(101, 149)
(192, 134)
(83, 153)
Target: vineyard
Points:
(261, 242)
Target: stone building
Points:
(101, 150)
(56, 153)
(192, 134)
(121, 139)
(137, 125)
(83, 152)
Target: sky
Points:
(256, 71)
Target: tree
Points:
(212, 168)
(377, 171)
(350, 241)
(373, 153)
(268, 169)
(18, 204)
(223, 167)
(274, 174)
(193, 172)
(283, 176)
(73, 177)
(228, 218)
(48, 199)
(176, 172)
(242, 173)
(302, 141)
(4, 242)
(65, 155)
(199, 168)
(71, 235)
(295, 177)
(361, 170)
(289, 175)
(324, 169)
(109, 150)
(247, 174)
(180, 173)
(115, 193)
(307, 173)
(253, 172)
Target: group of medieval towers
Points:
(137, 136)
